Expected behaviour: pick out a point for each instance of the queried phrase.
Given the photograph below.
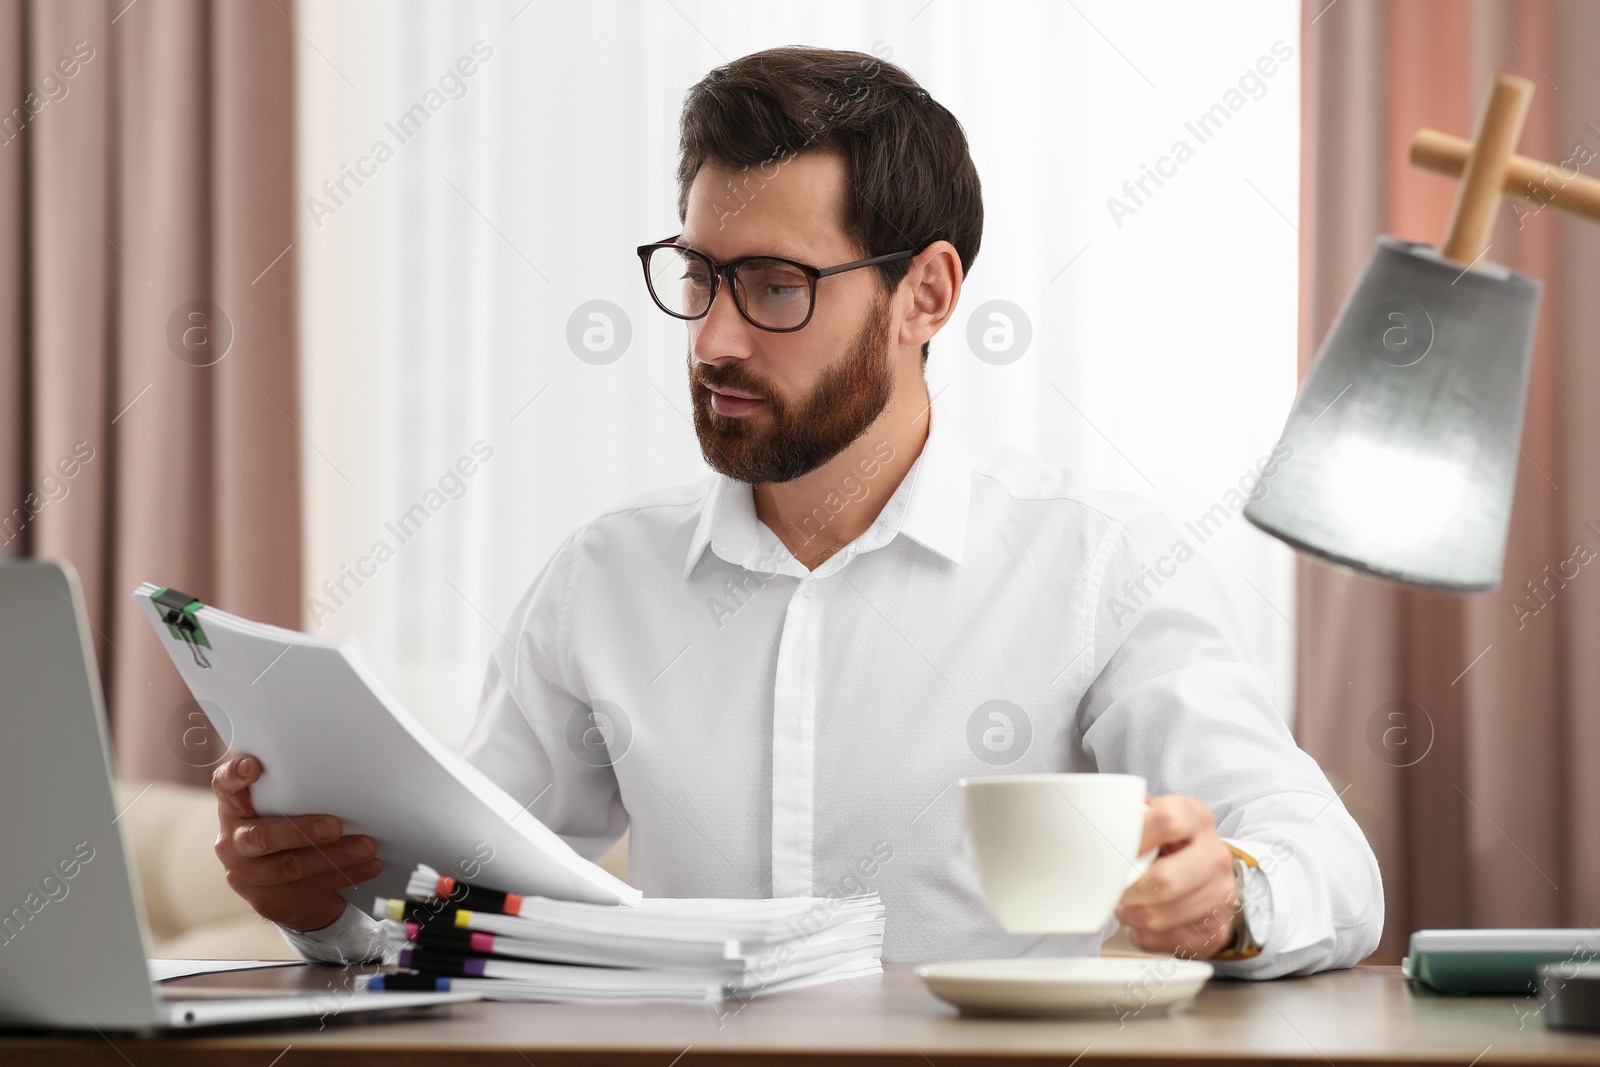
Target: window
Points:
(484, 371)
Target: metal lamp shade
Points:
(1400, 455)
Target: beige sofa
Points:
(191, 912)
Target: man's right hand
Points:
(290, 870)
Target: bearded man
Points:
(774, 676)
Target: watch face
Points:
(1257, 912)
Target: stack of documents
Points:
(509, 947)
(331, 738)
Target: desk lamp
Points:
(1401, 448)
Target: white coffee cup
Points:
(1054, 852)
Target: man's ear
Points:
(934, 285)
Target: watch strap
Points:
(1241, 854)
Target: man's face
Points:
(770, 407)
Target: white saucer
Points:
(1112, 986)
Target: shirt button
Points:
(805, 591)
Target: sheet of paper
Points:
(334, 740)
(163, 970)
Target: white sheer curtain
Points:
(531, 146)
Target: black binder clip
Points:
(177, 611)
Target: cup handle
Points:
(1140, 865)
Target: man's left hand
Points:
(1187, 901)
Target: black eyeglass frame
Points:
(720, 271)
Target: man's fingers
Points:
(1207, 901)
(311, 903)
(333, 881)
(299, 864)
(290, 870)
(1166, 820)
(1171, 819)
(260, 837)
(1196, 925)
(1176, 875)
(231, 783)
(1189, 905)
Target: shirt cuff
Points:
(354, 937)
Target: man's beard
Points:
(799, 436)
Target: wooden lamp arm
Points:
(1533, 180)
(1478, 197)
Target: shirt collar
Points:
(930, 506)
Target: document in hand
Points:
(333, 740)
(509, 947)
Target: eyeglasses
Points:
(771, 293)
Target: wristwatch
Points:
(1253, 924)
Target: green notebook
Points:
(1494, 961)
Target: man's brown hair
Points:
(911, 178)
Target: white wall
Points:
(436, 296)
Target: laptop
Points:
(74, 950)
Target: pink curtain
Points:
(147, 324)
(1477, 798)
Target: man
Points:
(789, 663)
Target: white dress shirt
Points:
(779, 731)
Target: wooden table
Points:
(1369, 1015)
